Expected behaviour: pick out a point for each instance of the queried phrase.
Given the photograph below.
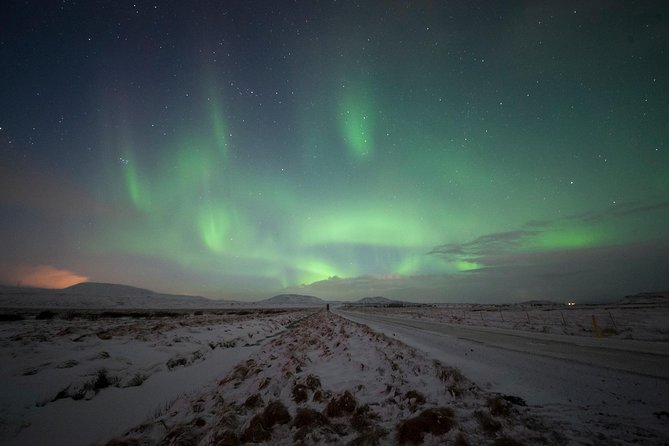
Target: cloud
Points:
(602, 274)
(572, 231)
(614, 211)
(489, 244)
(625, 210)
(568, 258)
(414, 288)
(41, 276)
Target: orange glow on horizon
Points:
(40, 276)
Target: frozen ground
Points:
(313, 377)
(76, 378)
(634, 319)
(333, 381)
(601, 391)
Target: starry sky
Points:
(441, 151)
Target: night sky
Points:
(428, 151)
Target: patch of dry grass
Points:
(260, 427)
(455, 381)
(254, 401)
(137, 380)
(300, 393)
(307, 417)
(499, 407)
(341, 405)
(226, 438)
(487, 422)
(507, 441)
(415, 399)
(461, 440)
(312, 382)
(436, 421)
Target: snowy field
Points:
(604, 391)
(642, 320)
(306, 376)
(80, 377)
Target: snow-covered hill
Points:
(377, 300)
(97, 295)
(293, 299)
(107, 289)
(658, 297)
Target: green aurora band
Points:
(354, 161)
(431, 151)
(205, 210)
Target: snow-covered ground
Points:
(91, 376)
(333, 381)
(599, 390)
(314, 377)
(631, 320)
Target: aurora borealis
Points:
(431, 151)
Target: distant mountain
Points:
(657, 297)
(293, 299)
(107, 289)
(99, 295)
(125, 291)
(378, 300)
